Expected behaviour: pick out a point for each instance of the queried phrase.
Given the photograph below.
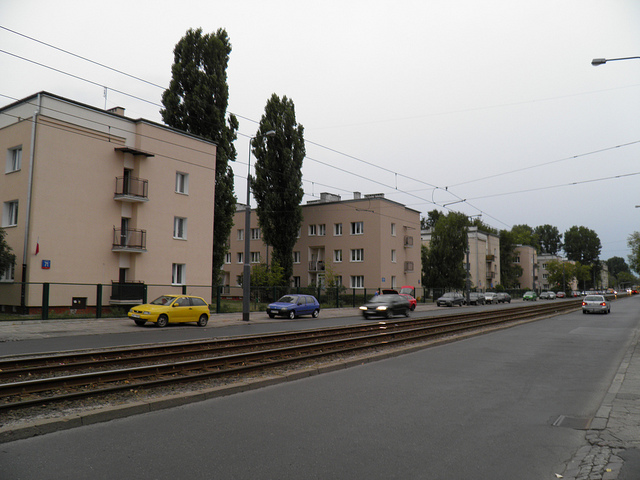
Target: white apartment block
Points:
(92, 197)
(369, 242)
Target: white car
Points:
(595, 304)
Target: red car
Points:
(407, 292)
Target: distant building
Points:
(543, 261)
(527, 258)
(369, 241)
(92, 197)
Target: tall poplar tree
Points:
(443, 260)
(277, 186)
(196, 102)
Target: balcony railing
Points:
(316, 266)
(131, 189)
(491, 258)
(408, 266)
(129, 240)
(408, 241)
(491, 274)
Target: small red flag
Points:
(38, 246)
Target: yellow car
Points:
(172, 309)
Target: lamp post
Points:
(601, 61)
(246, 272)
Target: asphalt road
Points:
(479, 408)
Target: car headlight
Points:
(363, 308)
(382, 307)
(146, 313)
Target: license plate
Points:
(135, 315)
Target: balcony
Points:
(129, 240)
(131, 189)
(491, 275)
(127, 293)
(491, 258)
(408, 241)
(408, 267)
(316, 266)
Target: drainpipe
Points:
(27, 218)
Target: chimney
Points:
(117, 111)
(357, 195)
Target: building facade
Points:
(367, 242)
(92, 197)
(527, 258)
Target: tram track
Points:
(47, 379)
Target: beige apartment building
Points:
(484, 257)
(543, 262)
(369, 242)
(527, 258)
(92, 197)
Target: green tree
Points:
(7, 259)
(267, 276)
(582, 274)
(525, 235)
(510, 272)
(196, 102)
(443, 264)
(549, 238)
(582, 244)
(430, 220)
(633, 241)
(277, 186)
(560, 274)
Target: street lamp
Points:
(601, 61)
(246, 273)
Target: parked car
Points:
(490, 297)
(386, 305)
(560, 295)
(412, 301)
(503, 297)
(293, 306)
(547, 296)
(450, 299)
(530, 296)
(172, 309)
(475, 298)
(595, 303)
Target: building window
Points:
(393, 281)
(240, 257)
(9, 274)
(337, 229)
(322, 230)
(182, 183)
(255, 234)
(296, 282)
(255, 257)
(338, 280)
(240, 234)
(296, 257)
(357, 281)
(238, 280)
(393, 256)
(357, 228)
(393, 229)
(10, 214)
(357, 254)
(180, 228)
(312, 230)
(178, 275)
(227, 257)
(517, 259)
(337, 256)
(14, 160)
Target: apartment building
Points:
(92, 197)
(369, 242)
(543, 261)
(484, 257)
(527, 258)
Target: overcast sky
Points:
(429, 102)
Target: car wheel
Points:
(315, 313)
(202, 321)
(272, 315)
(163, 320)
(413, 307)
(292, 314)
(584, 311)
(406, 312)
(140, 322)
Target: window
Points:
(393, 229)
(178, 275)
(393, 256)
(296, 257)
(393, 281)
(227, 257)
(357, 228)
(9, 274)
(337, 229)
(180, 228)
(517, 259)
(313, 230)
(296, 282)
(255, 234)
(182, 183)
(337, 256)
(10, 214)
(241, 234)
(322, 230)
(255, 257)
(357, 281)
(14, 159)
(339, 280)
(357, 254)
(240, 257)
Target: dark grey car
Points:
(386, 306)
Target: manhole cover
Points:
(576, 423)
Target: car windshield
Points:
(288, 299)
(380, 299)
(449, 295)
(407, 290)
(594, 298)
(163, 300)
(529, 293)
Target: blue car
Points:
(293, 306)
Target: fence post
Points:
(45, 301)
(337, 296)
(99, 301)
(144, 293)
